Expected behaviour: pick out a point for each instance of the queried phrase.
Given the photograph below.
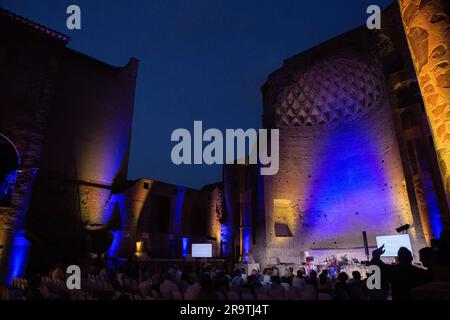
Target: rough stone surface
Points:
(336, 178)
(69, 116)
(331, 90)
(428, 28)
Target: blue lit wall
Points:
(179, 210)
(115, 246)
(225, 237)
(334, 182)
(246, 242)
(185, 246)
(116, 200)
(19, 256)
(432, 205)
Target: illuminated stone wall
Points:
(69, 116)
(340, 166)
(427, 27)
(29, 62)
(84, 155)
(191, 216)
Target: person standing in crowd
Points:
(358, 287)
(342, 289)
(405, 276)
(324, 285)
(299, 280)
(312, 278)
(427, 260)
(380, 294)
(238, 280)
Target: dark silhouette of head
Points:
(356, 275)
(404, 256)
(343, 277)
(426, 257)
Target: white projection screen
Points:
(393, 243)
(201, 250)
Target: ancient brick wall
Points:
(427, 27)
(340, 166)
(190, 214)
(29, 61)
(85, 151)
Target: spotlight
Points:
(403, 228)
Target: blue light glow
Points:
(352, 185)
(115, 246)
(19, 256)
(225, 239)
(179, 210)
(185, 246)
(434, 212)
(246, 243)
(116, 200)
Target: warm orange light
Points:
(139, 248)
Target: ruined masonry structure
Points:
(427, 27)
(364, 146)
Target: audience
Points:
(400, 281)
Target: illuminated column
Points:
(245, 229)
(427, 201)
(13, 244)
(130, 204)
(427, 28)
(8, 222)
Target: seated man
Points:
(167, 287)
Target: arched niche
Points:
(9, 166)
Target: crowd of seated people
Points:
(134, 281)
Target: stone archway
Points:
(9, 165)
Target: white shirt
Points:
(192, 291)
(167, 287)
(145, 288)
(265, 280)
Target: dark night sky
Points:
(200, 60)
